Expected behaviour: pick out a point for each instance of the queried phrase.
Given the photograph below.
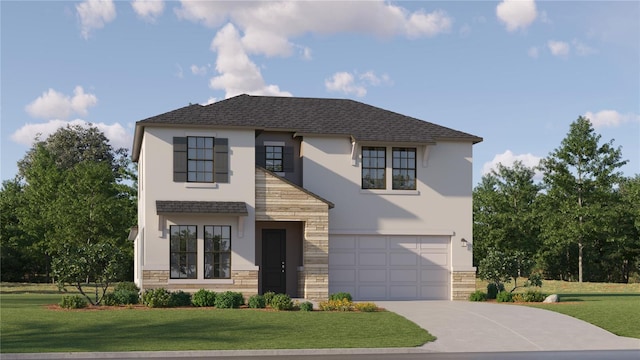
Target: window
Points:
(273, 158)
(404, 169)
(183, 244)
(373, 167)
(200, 159)
(217, 252)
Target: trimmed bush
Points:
(128, 286)
(533, 296)
(336, 305)
(306, 306)
(159, 297)
(478, 295)
(340, 296)
(229, 300)
(268, 296)
(281, 302)
(180, 298)
(504, 296)
(493, 290)
(203, 297)
(366, 307)
(73, 302)
(121, 297)
(257, 302)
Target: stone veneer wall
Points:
(463, 284)
(245, 282)
(279, 200)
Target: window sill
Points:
(202, 281)
(389, 192)
(195, 185)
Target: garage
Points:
(390, 267)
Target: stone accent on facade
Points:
(279, 200)
(463, 284)
(244, 281)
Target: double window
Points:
(184, 252)
(374, 168)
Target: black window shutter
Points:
(287, 159)
(179, 159)
(260, 156)
(221, 160)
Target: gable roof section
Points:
(201, 207)
(306, 116)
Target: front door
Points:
(274, 277)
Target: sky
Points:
(516, 73)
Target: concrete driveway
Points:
(489, 327)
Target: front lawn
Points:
(29, 325)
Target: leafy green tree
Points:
(579, 179)
(504, 216)
(501, 268)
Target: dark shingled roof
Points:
(307, 116)
(202, 207)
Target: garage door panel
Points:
(372, 259)
(380, 267)
(404, 259)
(403, 275)
(342, 259)
(372, 275)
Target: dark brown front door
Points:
(274, 277)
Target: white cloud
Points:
(198, 70)
(355, 83)
(238, 74)
(517, 14)
(210, 101)
(508, 158)
(610, 118)
(53, 104)
(559, 48)
(533, 52)
(582, 49)
(94, 14)
(428, 24)
(148, 10)
(118, 136)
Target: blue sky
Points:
(516, 73)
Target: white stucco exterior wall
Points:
(441, 204)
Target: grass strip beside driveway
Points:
(29, 326)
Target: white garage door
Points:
(378, 267)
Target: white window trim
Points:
(388, 192)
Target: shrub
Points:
(229, 300)
(504, 296)
(121, 297)
(340, 296)
(127, 285)
(257, 302)
(73, 302)
(519, 297)
(493, 290)
(478, 295)
(281, 302)
(366, 307)
(306, 306)
(268, 296)
(159, 297)
(180, 298)
(203, 298)
(533, 296)
(336, 305)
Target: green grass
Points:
(28, 325)
(613, 307)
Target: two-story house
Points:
(303, 196)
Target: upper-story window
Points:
(274, 158)
(373, 167)
(404, 168)
(200, 159)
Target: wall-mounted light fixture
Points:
(463, 242)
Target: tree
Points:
(500, 268)
(579, 179)
(77, 191)
(504, 217)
